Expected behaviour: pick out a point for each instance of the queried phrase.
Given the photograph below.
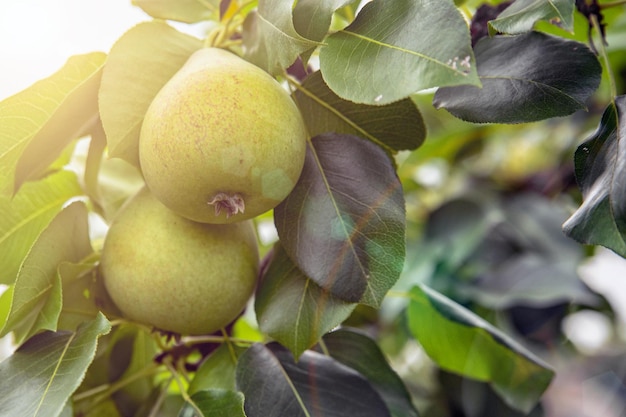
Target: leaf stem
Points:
(154, 411)
(192, 340)
(605, 57)
(181, 387)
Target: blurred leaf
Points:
(40, 121)
(285, 288)
(396, 126)
(139, 64)
(274, 385)
(215, 403)
(40, 376)
(217, 371)
(461, 342)
(522, 15)
(270, 39)
(187, 11)
(23, 217)
(395, 48)
(93, 162)
(600, 167)
(362, 354)
(37, 296)
(525, 78)
(343, 224)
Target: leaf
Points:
(459, 341)
(395, 48)
(525, 78)
(37, 296)
(396, 126)
(521, 16)
(284, 287)
(600, 166)
(187, 11)
(343, 224)
(215, 403)
(274, 385)
(37, 123)
(139, 64)
(217, 371)
(41, 375)
(357, 351)
(23, 217)
(270, 39)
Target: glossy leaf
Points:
(274, 385)
(215, 403)
(40, 121)
(139, 64)
(23, 217)
(40, 376)
(460, 341)
(522, 15)
(371, 61)
(600, 169)
(525, 78)
(270, 39)
(357, 351)
(285, 288)
(37, 295)
(187, 11)
(343, 224)
(396, 126)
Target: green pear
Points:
(175, 274)
(222, 141)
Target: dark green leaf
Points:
(139, 64)
(37, 296)
(600, 169)
(285, 288)
(522, 15)
(215, 403)
(525, 78)
(274, 385)
(395, 48)
(459, 341)
(270, 39)
(40, 376)
(343, 225)
(362, 354)
(396, 126)
(188, 11)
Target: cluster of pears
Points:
(221, 143)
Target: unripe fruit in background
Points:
(178, 275)
(222, 141)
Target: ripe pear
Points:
(175, 274)
(222, 141)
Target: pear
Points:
(222, 141)
(175, 274)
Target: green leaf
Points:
(275, 385)
(23, 217)
(187, 11)
(522, 15)
(270, 39)
(396, 126)
(139, 64)
(40, 121)
(41, 375)
(343, 224)
(285, 288)
(357, 351)
(395, 48)
(525, 78)
(217, 371)
(37, 295)
(215, 403)
(461, 342)
(600, 166)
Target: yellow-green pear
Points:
(175, 274)
(222, 141)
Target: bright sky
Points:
(37, 36)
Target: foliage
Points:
(373, 256)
